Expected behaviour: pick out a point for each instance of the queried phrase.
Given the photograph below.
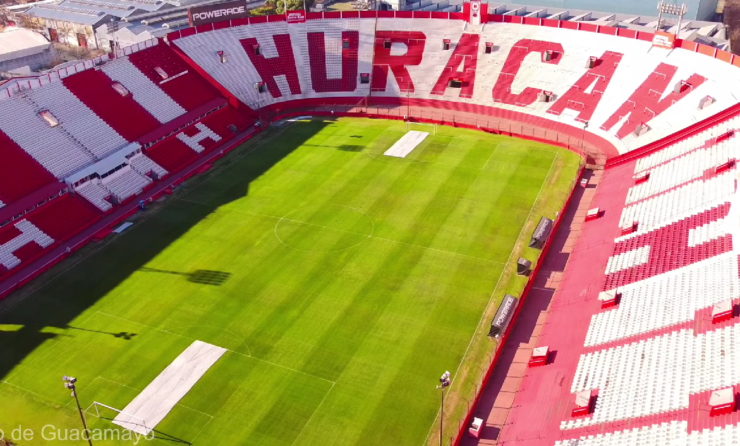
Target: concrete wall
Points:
(34, 62)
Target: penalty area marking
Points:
(229, 350)
(161, 395)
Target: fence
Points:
(453, 118)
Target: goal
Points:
(133, 419)
(421, 127)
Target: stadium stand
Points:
(49, 225)
(167, 70)
(20, 174)
(172, 154)
(652, 361)
(79, 135)
(664, 244)
(630, 84)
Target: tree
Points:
(266, 9)
(731, 16)
(278, 7)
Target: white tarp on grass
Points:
(406, 144)
(154, 403)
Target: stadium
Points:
(283, 230)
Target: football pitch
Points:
(342, 282)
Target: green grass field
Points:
(342, 282)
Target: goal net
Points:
(104, 411)
(421, 127)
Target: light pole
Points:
(444, 381)
(69, 383)
(408, 102)
(583, 137)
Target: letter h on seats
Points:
(29, 233)
(268, 69)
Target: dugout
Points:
(541, 233)
(503, 316)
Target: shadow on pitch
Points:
(62, 299)
(158, 435)
(126, 336)
(203, 276)
(351, 148)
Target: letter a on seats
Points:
(29, 233)
(397, 63)
(502, 90)
(461, 65)
(645, 103)
(283, 64)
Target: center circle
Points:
(324, 228)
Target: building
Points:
(23, 51)
(75, 22)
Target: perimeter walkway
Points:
(498, 395)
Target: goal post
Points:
(133, 419)
(421, 127)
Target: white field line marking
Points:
(47, 401)
(490, 156)
(312, 414)
(139, 390)
(234, 159)
(349, 232)
(201, 430)
(372, 231)
(242, 340)
(498, 282)
(229, 350)
(74, 263)
(102, 245)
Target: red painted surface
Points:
(669, 249)
(317, 59)
(520, 50)
(598, 77)
(646, 103)
(283, 64)
(383, 60)
(461, 65)
(123, 114)
(189, 90)
(20, 174)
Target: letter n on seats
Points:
(268, 69)
(397, 63)
(585, 95)
(26, 232)
(645, 103)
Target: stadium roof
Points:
(85, 16)
(18, 42)
(90, 12)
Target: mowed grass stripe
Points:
(352, 281)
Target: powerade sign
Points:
(203, 15)
(503, 316)
(296, 17)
